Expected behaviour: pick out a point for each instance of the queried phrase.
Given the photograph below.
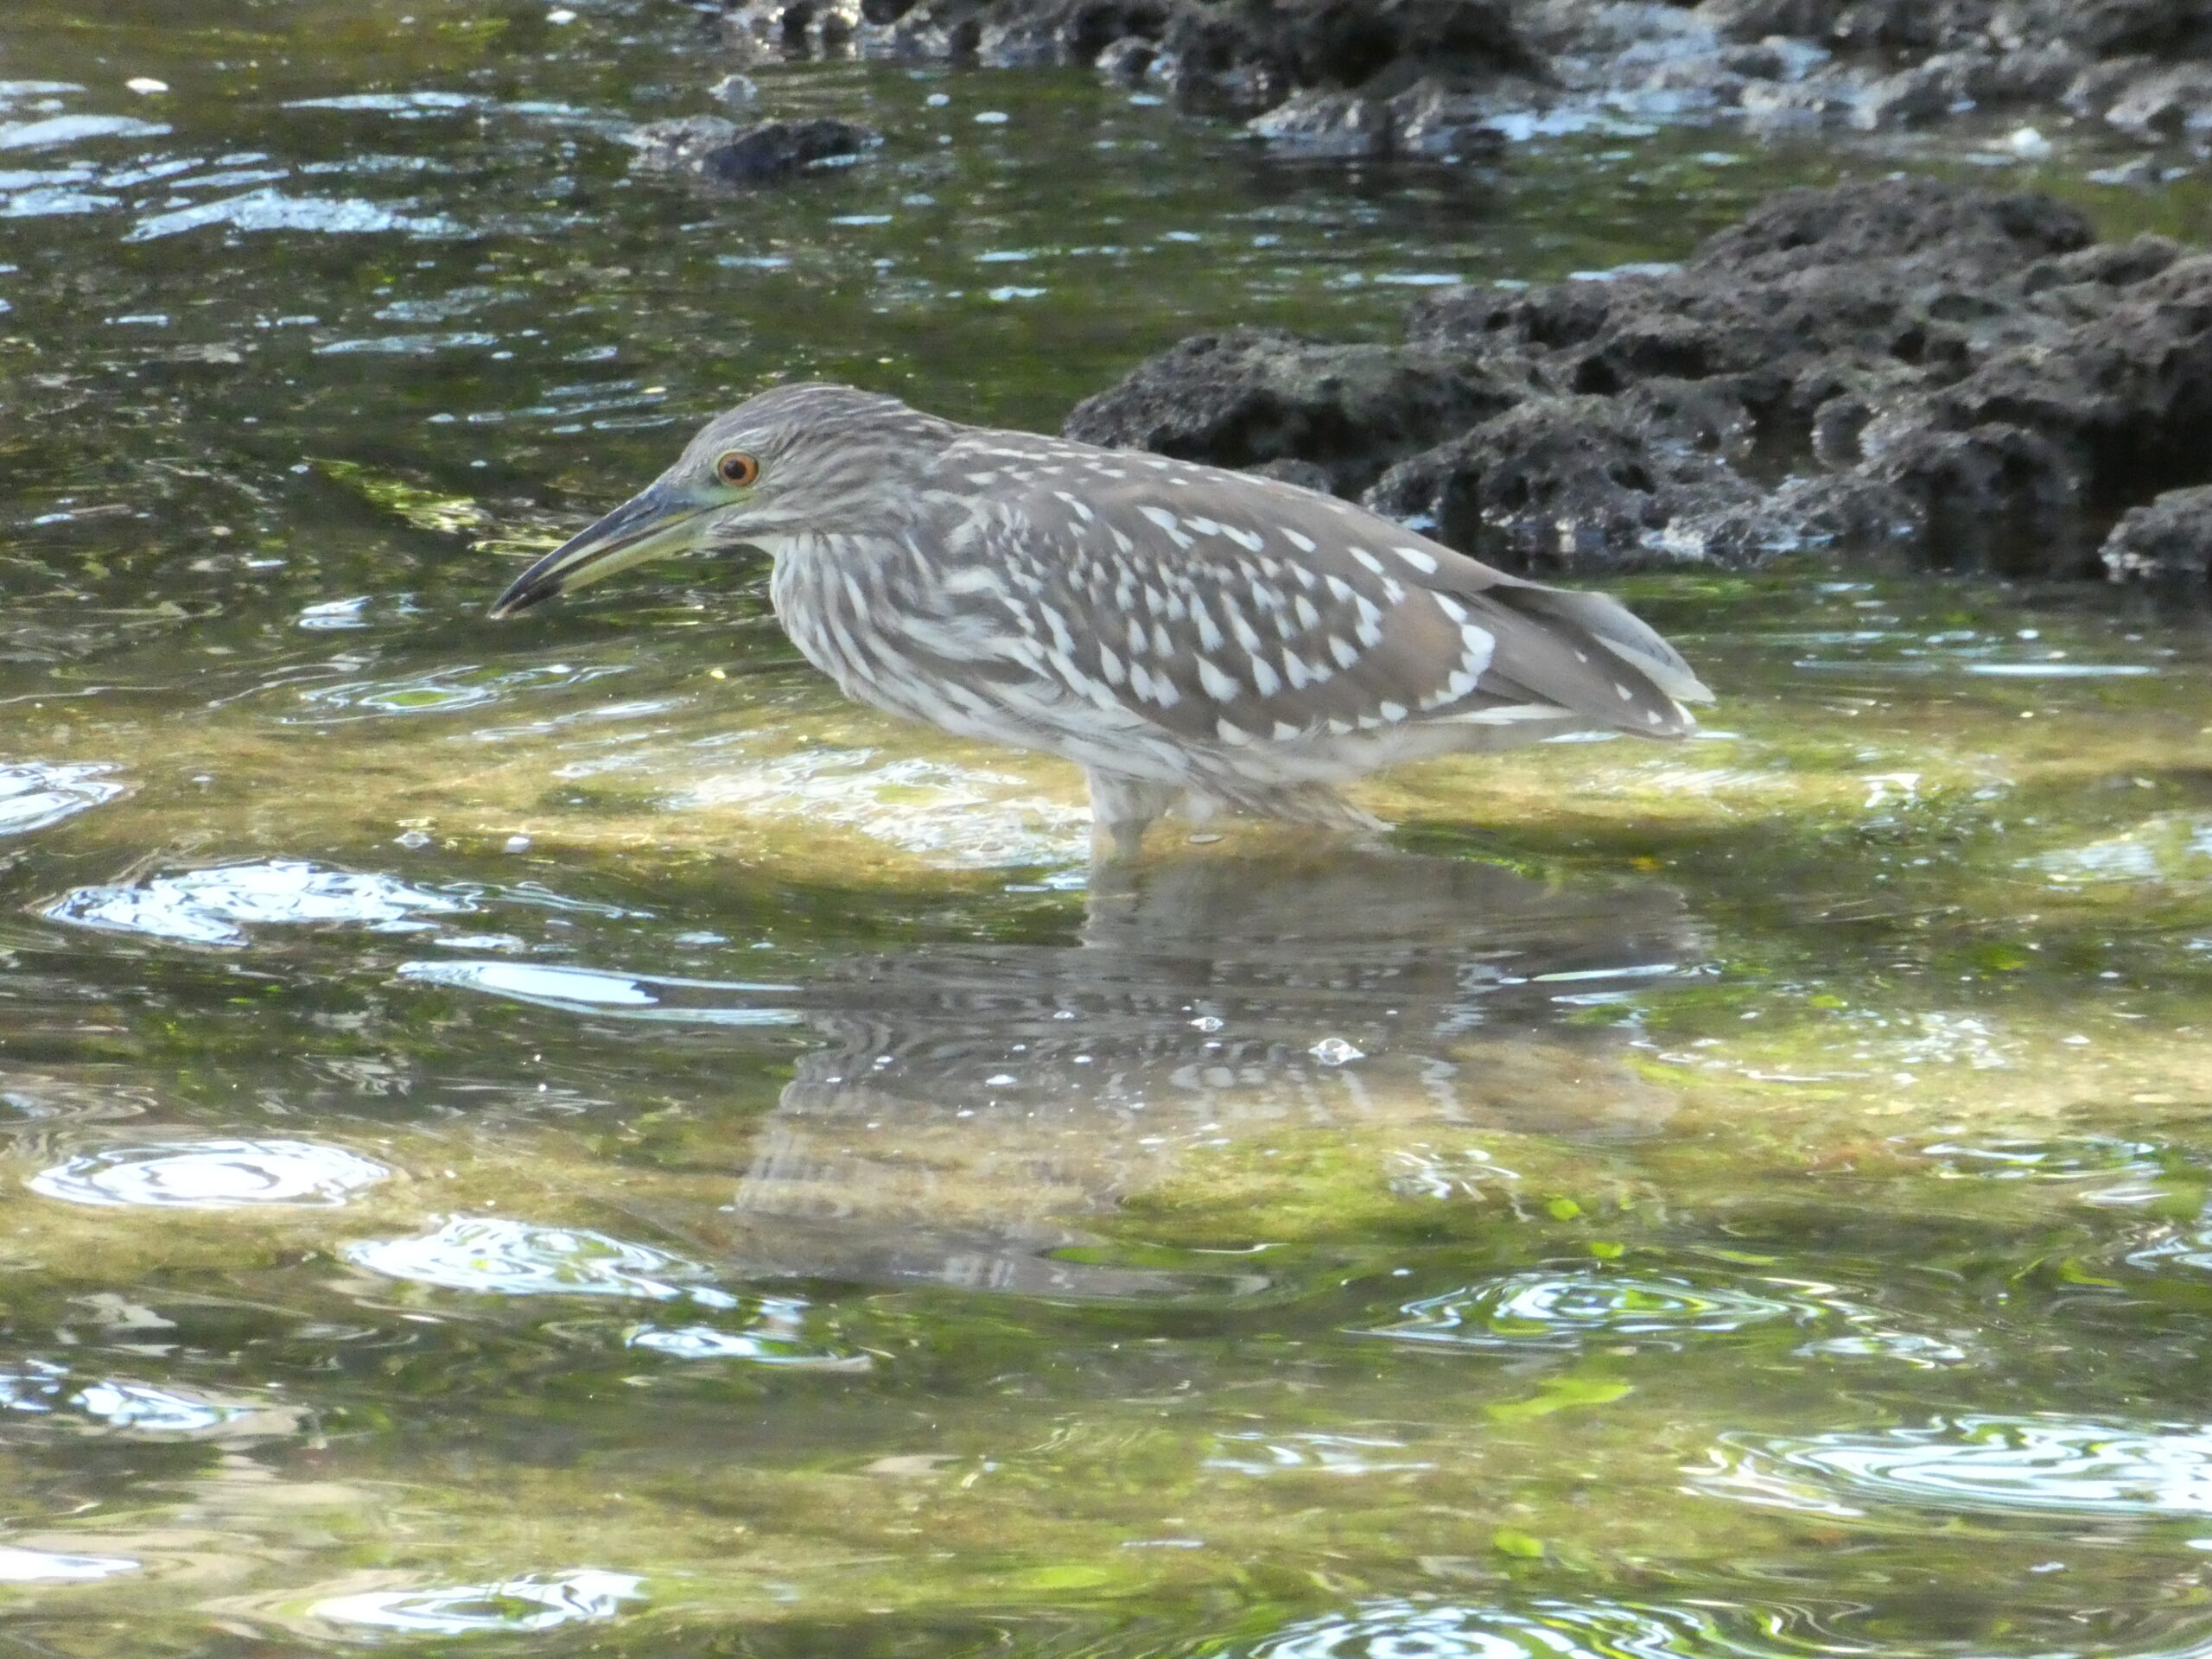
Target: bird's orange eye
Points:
(737, 469)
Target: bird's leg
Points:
(1121, 809)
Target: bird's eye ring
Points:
(737, 469)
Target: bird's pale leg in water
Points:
(1122, 809)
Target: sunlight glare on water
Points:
(211, 1175)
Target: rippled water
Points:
(567, 1138)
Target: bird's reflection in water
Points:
(973, 1103)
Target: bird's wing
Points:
(1234, 609)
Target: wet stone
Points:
(718, 152)
(2168, 541)
(1326, 126)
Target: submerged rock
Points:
(708, 147)
(1960, 371)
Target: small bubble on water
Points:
(1206, 1023)
(1334, 1050)
(516, 844)
(412, 840)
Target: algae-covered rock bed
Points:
(568, 1138)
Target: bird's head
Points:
(797, 458)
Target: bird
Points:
(1196, 640)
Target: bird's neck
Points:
(834, 594)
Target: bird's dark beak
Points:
(657, 524)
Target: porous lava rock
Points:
(718, 152)
(1910, 364)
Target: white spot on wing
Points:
(1420, 558)
(1303, 544)
(1247, 635)
(1209, 635)
(1168, 522)
(1369, 628)
(1477, 645)
(1216, 683)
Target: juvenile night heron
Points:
(1195, 639)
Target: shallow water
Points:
(566, 1137)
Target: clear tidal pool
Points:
(566, 1137)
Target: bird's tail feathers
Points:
(1590, 623)
(1620, 631)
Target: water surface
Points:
(567, 1137)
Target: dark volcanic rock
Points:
(1559, 483)
(1957, 371)
(1251, 397)
(708, 147)
(2168, 541)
